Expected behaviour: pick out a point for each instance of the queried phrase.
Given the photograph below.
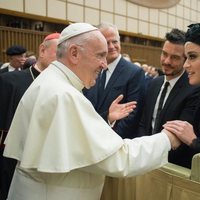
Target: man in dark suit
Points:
(181, 98)
(190, 133)
(17, 57)
(122, 77)
(12, 87)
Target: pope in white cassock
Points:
(63, 147)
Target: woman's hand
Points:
(182, 129)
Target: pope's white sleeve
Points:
(135, 157)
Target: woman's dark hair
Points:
(193, 33)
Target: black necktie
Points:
(102, 81)
(101, 86)
(160, 105)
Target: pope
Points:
(63, 147)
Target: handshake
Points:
(179, 131)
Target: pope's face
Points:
(93, 59)
(192, 64)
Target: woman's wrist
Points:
(195, 144)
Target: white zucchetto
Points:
(74, 30)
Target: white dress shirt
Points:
(169, 89)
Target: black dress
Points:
(196, 142)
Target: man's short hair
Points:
(176, 36)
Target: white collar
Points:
(11, 68)
(173, 81)
(73, 78)
(111, 66)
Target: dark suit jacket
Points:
(196, 126)
(183, 155)
(127, 79)
(3, 70)
(196, 123)
(12, 87)
(181, 104)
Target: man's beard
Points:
(174, 73)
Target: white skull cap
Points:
(74, 30)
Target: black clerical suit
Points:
(12, 87)
(180, 104)
(4, 70)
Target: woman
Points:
(187, 133)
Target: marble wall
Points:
(127, 16)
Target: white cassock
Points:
(64, 148)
